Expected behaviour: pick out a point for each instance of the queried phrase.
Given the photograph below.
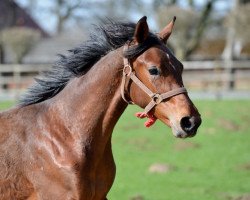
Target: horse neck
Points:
(92, 104)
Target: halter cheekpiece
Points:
(156, 98)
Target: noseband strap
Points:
(156, 98)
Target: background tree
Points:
(60, 11)
(238, 29)
(79, 13)
(19, 40)
(65, 10)
(190, 27)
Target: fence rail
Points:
(198, 75)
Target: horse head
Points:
(157, 82)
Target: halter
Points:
(156, 98)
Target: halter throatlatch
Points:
(156, 98)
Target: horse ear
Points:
(166, 32)
(141, 30)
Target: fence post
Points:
(17, 81)
(230, 74)
(219, 82)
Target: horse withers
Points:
(56, 144)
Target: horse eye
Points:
(153, 71)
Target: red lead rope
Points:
(151, 118)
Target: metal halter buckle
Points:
(127, 70)
(157, 98)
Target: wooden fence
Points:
(217, 75)
(198, 76)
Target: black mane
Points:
(103, 39)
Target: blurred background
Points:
(211, 38)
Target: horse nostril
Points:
(188, 124)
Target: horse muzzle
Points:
(186, 127)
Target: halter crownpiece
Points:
(156, 98)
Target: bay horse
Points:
(56, 143)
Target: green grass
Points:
(5, 104)
(214, 165)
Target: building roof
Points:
(11, 14)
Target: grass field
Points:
(214, 165)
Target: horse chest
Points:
(98, 180)
(95, 176)
(89, 179)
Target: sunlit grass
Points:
(213, 165)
